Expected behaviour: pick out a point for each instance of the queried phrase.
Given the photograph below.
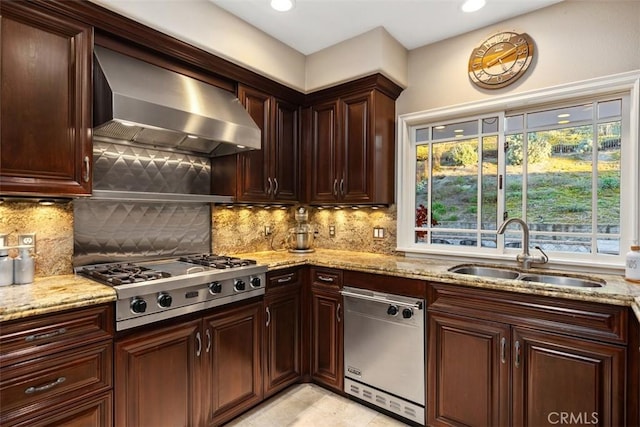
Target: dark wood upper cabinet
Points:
(45, 146)
(350, 143)
(270, 174)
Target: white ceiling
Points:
(313, 25)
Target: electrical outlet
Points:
(27, 239)
(332, 231)
(378, 233)
(267, 230)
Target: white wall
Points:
(575, 40)
(211, 28)
(368, 53)
(205, 25)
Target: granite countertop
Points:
(56, 293)
(617, 291)
(51, 294)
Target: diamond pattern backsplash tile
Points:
(109, 231)
(136, 168)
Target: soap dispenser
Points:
(23, 268)
(6, 263)
(632, 264)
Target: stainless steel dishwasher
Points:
(384, 351)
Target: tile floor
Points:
(308, 405)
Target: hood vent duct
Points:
(145, 104)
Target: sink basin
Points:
(562, 280)
(493, 272)
(507, 273)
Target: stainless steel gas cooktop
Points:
(151, 291)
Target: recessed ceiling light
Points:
(563, 115)
(563, 122)
(473, 5)
(458, 130)
(282, 5)
(439, 127)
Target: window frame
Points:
(627, 84)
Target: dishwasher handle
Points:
(417, 305)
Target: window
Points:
(567, 166)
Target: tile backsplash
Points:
(234, 230)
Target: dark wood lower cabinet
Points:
(497, 366)
(558, 378)
(282, 337)
(469, 381)
(201, 372)
(232, 357)
(326, 337)
(157, 373)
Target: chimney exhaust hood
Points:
(145, 104)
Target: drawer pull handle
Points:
(503, 350)
(517, 354)
(198, 344)
(338, 313)
(268, 317)
(285, 279)
(208, 334)
(325, 278)
(45, 387)
(45, 336)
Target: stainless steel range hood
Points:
(142, 103)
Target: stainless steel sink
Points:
(493, 272)
(562, 280)
(513, 274)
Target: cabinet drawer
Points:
(326, 277)
(283, 278)
(34, 337)
(53, 380)
(94, 411)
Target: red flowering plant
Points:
(422, 215)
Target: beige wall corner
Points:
(574, 40)
(370, 52)
(205, 25)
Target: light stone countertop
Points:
(617, 291)
(50, 295)
(57, 293)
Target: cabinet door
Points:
(156, 377)
(563, 380)
(324, 146)
(232, 349)
(253, 174)
(282, 338)
(326, 337)
(45, 106)
(468, 372)
(355, 174)
(285, 170)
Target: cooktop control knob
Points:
(138, 305)
(407, 313)
(239, 285)
(255, 282)
(215, 288)
(164, 300)
(392, 310)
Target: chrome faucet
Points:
(525, 258)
